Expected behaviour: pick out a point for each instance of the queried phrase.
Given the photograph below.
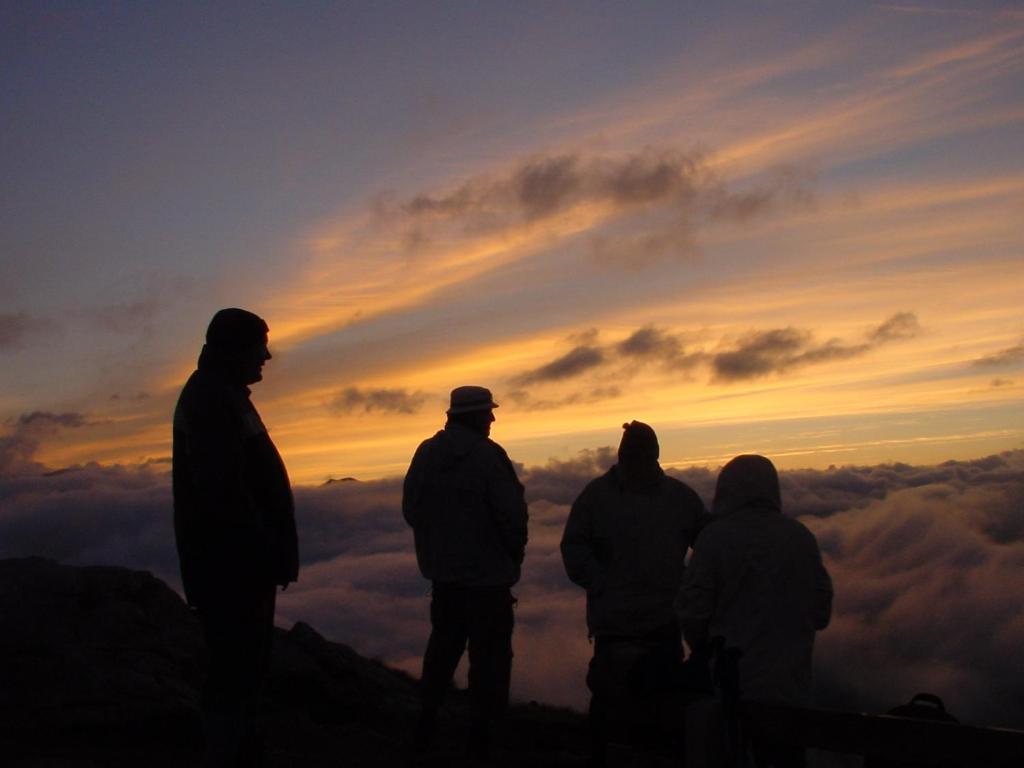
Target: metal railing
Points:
(893, 739)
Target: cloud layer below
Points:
(927, 562)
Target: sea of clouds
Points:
(927, 561)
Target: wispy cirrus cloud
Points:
(403, 250)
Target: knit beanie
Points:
(232, 328)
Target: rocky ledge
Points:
(102, 666)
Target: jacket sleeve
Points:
(822, 610)
(578, 551)
(508, 505)
(697, 514)
(695, 601)
(412, 488)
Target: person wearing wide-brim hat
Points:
(468, 514)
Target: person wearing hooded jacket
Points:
(625, 542)
(234, 525)
(757, 581)
(466, 506)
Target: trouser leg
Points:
(597, 725)
(490, 651)
(448, 634)
(239, 631)
(597, 714)
(491, 620)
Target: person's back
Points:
(756, 579)
(769, 599)
(625, 542)
(456, 478)
(465, 504)
(627, 546)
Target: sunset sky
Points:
(790, 228)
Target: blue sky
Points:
(829, 167)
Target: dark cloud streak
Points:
(902, 325)
(382, 400)
(1002, 358)
(781, 349)
(576, 361)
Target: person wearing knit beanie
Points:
(625, 542)
(234, 526)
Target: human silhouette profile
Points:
(234, 524)
(465, 504)
(625, 542)
(756, 580)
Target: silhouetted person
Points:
(756, 580)
(465, 505)
(234, 523)
(625, 542)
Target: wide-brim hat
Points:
(468, 399)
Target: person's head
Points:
(748, 481)
(472, 407)
(239, 340)
(639, 445)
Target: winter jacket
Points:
(234, 518)
(627, 548)
(466, 508)
(757, 580)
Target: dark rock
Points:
(103, 666)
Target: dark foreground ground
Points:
(102, 666)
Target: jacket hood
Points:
(747, 482)
(638, 476)
(455, 441)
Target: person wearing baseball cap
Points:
(469, 519)
(234, 525)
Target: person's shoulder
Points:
(797, 529)
(600, 486)
(429, 444)
(491, 452)
(203, 395)
(684, 492)
(437, 437)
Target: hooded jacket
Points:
(467, 510)
(234, 518)
(757, 580)
(627, 547)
